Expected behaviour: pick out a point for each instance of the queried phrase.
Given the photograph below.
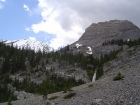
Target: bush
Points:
(90, 85)
(69, 95)
(54, 97)
(118, 77)
(65, 91)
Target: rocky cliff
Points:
(96, 34)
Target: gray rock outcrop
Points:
(96, 34)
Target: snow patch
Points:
(90, 50)
(128, 40)
(78, 45)
(30, 43)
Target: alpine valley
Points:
(101, 68)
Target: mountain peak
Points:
(30, 43)
(97, 33)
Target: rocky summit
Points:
(96, 34)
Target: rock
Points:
(115, 29)
(98, 102)
(22, 95)
(96, 34)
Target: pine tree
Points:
(9, 101)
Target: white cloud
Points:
(1, 6)
(67, 19)
(27, 28)
(3, 0)
(27, 8)
(52, 14)
(32, 38)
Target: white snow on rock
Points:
(128, 40)
(30, 43)
(78, 45)
(90, 50)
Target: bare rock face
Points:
(115, 29)
(96, 34)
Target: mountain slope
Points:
(104, 91)
(115, 29)
(96, 34)
(68, 63)
(30, 43)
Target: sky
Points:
(60, 22)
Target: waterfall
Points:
(94, 77)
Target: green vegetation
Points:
(107, 70)
(90, 73)
(120, 42)
(90, 85)
(5, 93)
(69, 95)
(9, 101)
(54, 97)
(13, 60)
(51, 84)
(118, 77)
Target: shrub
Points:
(9, 101)
(90, 85)
(118, 77)
(69, 95)
(65, 91)
(54, 97)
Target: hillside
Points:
(96, 34)
(83, 73)
(104, 91)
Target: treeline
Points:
(5, 92)
(51, 84)
(121, 42)
(65, 57)
(13, 59)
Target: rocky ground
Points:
(104, 91)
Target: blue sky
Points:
(60, 22)
(14, 19)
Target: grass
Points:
(69, 95)
(90, 85)
(53, 97)
(118, 77)
(65, 91)
(108, 70)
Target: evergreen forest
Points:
(14, 60)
